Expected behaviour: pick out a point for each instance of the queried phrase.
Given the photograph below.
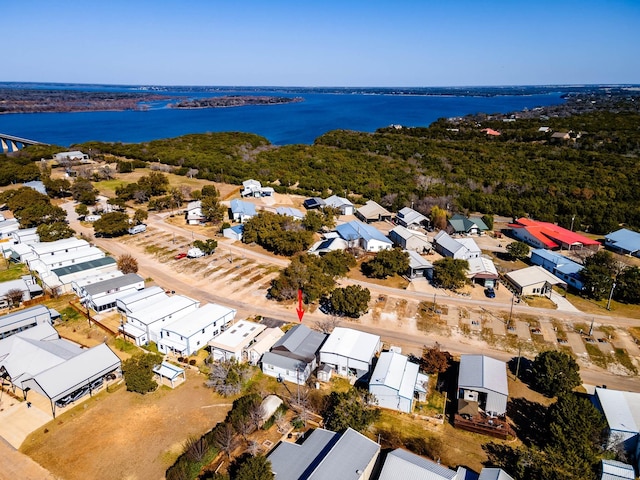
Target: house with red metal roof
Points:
(550, 236)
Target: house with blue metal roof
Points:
(559, 265)
(364, 236)
(241, 211)
(624, 241)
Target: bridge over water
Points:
(9, 143)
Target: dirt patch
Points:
(126, 435)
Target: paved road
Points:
(391, 333)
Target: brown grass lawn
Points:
(108, 187)
(540, 302)
(394, 282)
(600, 307)
(125, 435)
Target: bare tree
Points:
(127, 264)
(192, 172)
(196, 448)
(228, 376)
(256, 414)
(326, 324)
(281, 421)
(225, 438)
(14, 295)
(253, 448)
(244, 426)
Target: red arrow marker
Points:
(299, 309)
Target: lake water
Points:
(281, 124)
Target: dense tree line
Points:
(313, 274)
(279, 234)
(592, 177)
(32, 208)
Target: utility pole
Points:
(513, 296)
(519, 357)
(611, 296)
(591, 327)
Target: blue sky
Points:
(321, 43)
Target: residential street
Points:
(394, 331)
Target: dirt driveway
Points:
(125, 435)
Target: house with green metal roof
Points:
(466, 225)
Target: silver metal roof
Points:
(482, 372)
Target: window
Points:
(203, 330)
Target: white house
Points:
(233, 342)
(26, 235)
(188, 334)
(350, 352)
(144, 325)
(290, 212)
(410, 239)
(253, 188)
(234, 233)
(533, 281)
(60, 280)
(342, 204)
(140, 299)
(409, 218)
(241, 211)
(365, 236)
(38, 360)
(458, 248)
(16, 322)
(102, 296)
(294, 356)
(74, 155)
(622, 412)
(45, 264)
(263, 344)
(7, 227)
(395, 381)
(193, 213)
(482, 271)
(27, 285)
(614, 470)
(482, 382)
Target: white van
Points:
(138, 229)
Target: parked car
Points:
(490, 292)
(180, 255)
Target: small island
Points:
(235, 101)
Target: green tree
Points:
(208, 247)
(387, 263)
(555, 373)
(628, 285)
(488, 221)
(438, 217)
(576, 435)
(82, 210)
(140, 215)
(138, 372)
(212, 209)
(349, 409)
(352, 301)
(50, 232)
(337, 263)
(154, 184)
(83, 191)
(112, 224)
(450, 273)
(117, 203)
(58, 187)
(313, 220)
(249, 467)
(518, 250)
(304, 272)
(598, 274)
